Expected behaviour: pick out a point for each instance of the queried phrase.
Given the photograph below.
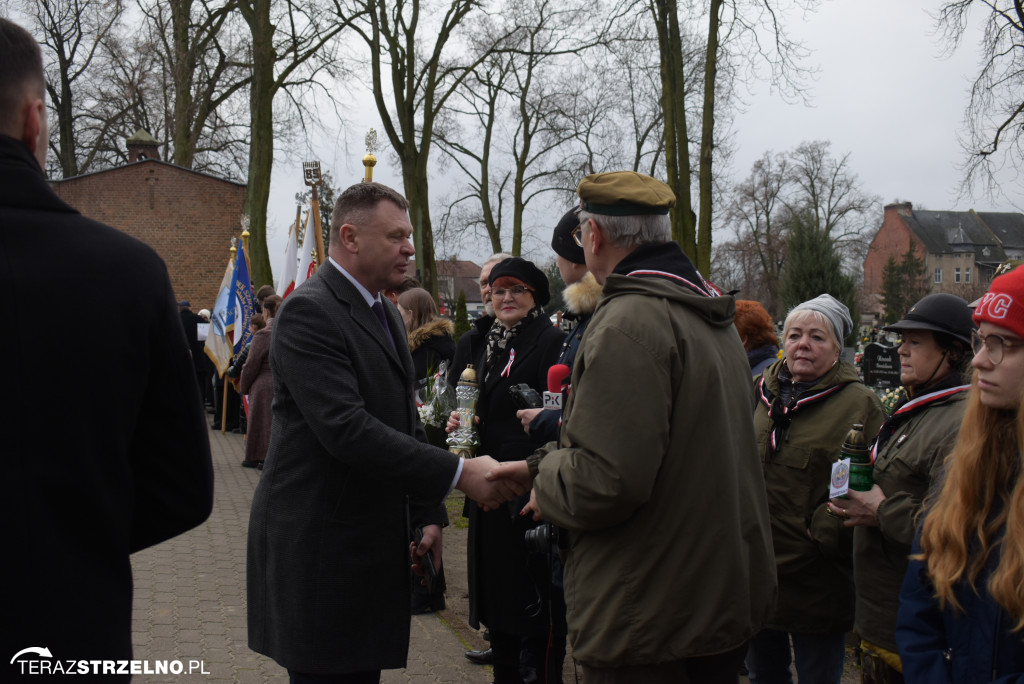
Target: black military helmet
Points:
(940, 312)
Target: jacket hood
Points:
(663, 270)
(436, 328)
(581, 297)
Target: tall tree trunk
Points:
(677, 156)
(418, 194)
(182, 75)
(261, 149)
(702, 256)
(66, 125)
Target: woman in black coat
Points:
(508, 584)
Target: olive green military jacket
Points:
(657, 482)
(813, 550)
(907, 468)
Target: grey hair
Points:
(819, 318)
(495, 258)
(633, 231)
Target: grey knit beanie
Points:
(834, 310)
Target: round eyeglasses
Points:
(995, 345)
(516, 291)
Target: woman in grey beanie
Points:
(807, 402)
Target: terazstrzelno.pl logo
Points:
(39, 661)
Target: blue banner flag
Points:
(240, 305)
(218, 348)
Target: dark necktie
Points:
(378, 308)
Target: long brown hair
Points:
(422, 305)
(980, 507)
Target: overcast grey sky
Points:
(885, 93)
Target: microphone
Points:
(558, 382)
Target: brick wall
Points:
(892, 239)
(189, 218)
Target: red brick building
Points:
(961, 249)
(188, 217)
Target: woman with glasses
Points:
(961, 611)
(907, 455)
(507, 584)
(807, 403)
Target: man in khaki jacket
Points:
(655, 477)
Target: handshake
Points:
(491, 483)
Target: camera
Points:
(525, 397)
(542, 539)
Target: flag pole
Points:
(311, 176)
(245, 243)
(224, 402)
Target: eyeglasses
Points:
(516, 291)
(994, 344)
(577, 235)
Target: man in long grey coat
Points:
(348, 466)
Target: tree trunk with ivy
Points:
(677, 158)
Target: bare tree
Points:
(292, 53)
(516, 96)
(203, 52)
(732, 42)
(756, 214)
(805, 187)
(477, 104)
(994, 117)
(416, 60)
(72, 39)
(827, 189)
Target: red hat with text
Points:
(1003, 304)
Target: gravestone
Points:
(881, 366)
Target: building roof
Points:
(991, 236)
(122, 167)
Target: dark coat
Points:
(908, 466)
(469, 347)
(501, 583)
(581, 299)
(430, 345)
(328, 553)
(813, 550)
(105, 446)
(258, 382)
(945, 646)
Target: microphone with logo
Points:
(545, 537)
(558, 382)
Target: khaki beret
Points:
(624, 193)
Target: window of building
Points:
(956, 275)
(938, 275)
(967, 275)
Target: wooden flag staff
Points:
(227, 380)
(311, 176)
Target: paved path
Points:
(190, 598)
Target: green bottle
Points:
(855, 448)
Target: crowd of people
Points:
(667, 509)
